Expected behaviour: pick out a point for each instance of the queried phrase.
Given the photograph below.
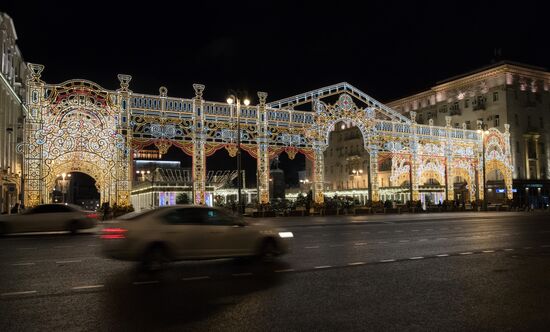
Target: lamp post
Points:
(64, 184)
(230, 100)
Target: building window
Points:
(468, 125)
(495, 96)
(496, 121)
(443, 109)
(466, 103)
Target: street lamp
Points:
(230, 100)
(483, 133)
(64, 183)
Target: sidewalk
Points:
(376, 218)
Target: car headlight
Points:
(286, 234)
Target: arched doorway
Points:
(76, 188)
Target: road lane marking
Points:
(312, 247)
(19, 293)
(429, 229)
(416, 230)
(398, 231)
(508, 249)
(23, 264)
(415, 258)
(403, 241)
(443, 255)
(423, 240)
(69, 261)
(387, 260)
(284, 270)
(527, 248)
(442, 238)
(466, 253)
(88, 287)
(336, 245)
(145, 282)
(195, 278)
(488, 251)
(93, 245)
(243, 274)
(357, 263)
(62, 247)
(360, 243)
(322, 267)
(380, 242)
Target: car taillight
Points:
(92, 215)
(113, 233)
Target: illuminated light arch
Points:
(466, 171)
(81, 124)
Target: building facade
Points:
(12, 112)
(503, 93)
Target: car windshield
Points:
(134, 215)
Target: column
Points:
(414, 160)
(263, 151)
(124, 158)
(199, 159)
(526, 144)
(537, 156)
(373, 160)
(318, 172)
(449, 178)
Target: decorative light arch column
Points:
(263, 151)
(199, 140)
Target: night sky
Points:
(388, 50)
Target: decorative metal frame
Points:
(79, 126)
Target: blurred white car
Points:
(183, 232)
(47, 218)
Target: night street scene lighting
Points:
(281, 166)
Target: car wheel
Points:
(268, 250)
(73, 227)
(155, 258)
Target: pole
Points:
(239, 156)
(153, 189)
(369, 180)
(484, 181)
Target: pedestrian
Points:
(15, 209)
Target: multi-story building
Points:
(12, 113)
(503, 93)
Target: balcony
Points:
(479, 106)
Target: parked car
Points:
(183, 232)
(48, 217)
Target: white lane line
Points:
(322, 267)
(284, 270)
(312, 247)
(403, 241)
(415, 258)
(416, 230)
(23, 264)
(429, 229)
(387, 260)
(69, 261)
(62, 247)
(93, 245)
(87, 287)
(488, 251)
(398, 231)
(242, 274)
(360, 243)
(423, 240)
(336, 245)
(466, 253)
(381, 242)
(357, 263)
(508, 249)
(145, 282)
(196, 278)
(441, 238)
(442, 255)
(19, 293)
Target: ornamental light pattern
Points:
(80, 126)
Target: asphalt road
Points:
(484, 271)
